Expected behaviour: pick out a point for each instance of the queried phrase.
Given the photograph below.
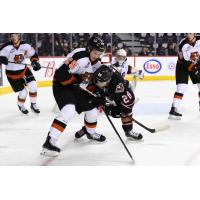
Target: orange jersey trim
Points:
(18, 76)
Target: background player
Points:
(188, 65)
(18, 74)
(122, 65)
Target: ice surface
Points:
(21, 136)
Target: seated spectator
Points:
(106, 38)
(115, 39)
(144, 52)
(46, 46)
(159, 39)
(174, 38)
(75, 37)
(149, 40)
(128, 50)
(171, 50)
(161, 51)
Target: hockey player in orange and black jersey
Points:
(188, 65)
(12, 54)
(75, 72)
(111, 85)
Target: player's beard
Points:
(16, 44)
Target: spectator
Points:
(106, 38)
(149, 40)
(171, 50)
(144, 52)
(128, 50)
(161, 50)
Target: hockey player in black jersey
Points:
(188, 65)
(12, 54)
(75, 72)
(111, 85)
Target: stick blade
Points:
(162, 128)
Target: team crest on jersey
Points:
(18, 58)
(119, 88)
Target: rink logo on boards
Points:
(172, 66)
(152, 66)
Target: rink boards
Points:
(155, 68)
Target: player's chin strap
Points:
(26, 64)
(151, 130)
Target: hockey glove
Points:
(196, 72)
(99, 101)
(3, 60)
(139, 74)
(113, 111)
(36, 65)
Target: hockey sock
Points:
(127, 123)
(177, 99)
(22, 97)
(90, 126)
(56, 130)
(33, 97)
(90, 120)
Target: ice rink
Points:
(21, 136)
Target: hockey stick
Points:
(28, 64)
(151, 130)
(94, 95)
(119, 136)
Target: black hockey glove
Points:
(99, 101)
(36, 65)
(113, 111)
(3, 60)
(196, 72)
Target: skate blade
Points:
(37, 113)
(172, 117)
(91, 141)
(46, 152)
(135, 140)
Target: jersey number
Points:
(71, 63)
(127, 98)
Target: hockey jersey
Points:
(76, 63)
(119, 92)
(17, 55)
(124, 69)
(186, 49)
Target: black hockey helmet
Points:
(103, 74)
(97, 43)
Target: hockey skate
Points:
(49, 149)
(133, 135)
(23, 109)
(81, 133)
(95, 136)
(35, 108)
(174, 115)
